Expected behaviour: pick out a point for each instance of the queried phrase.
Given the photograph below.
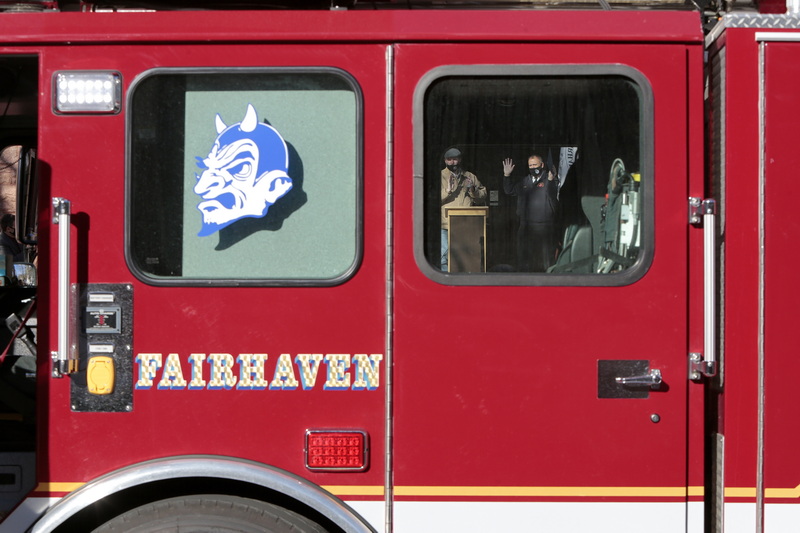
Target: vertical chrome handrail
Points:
(62, 362)
(705, 364)
(709, 288)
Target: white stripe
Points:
(553, 517)
(781, 517)
(784, 36)
(26, 514)
(373, 512)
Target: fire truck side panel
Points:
(781, 227)
(756, 58)
(542, 435)
(738, 127)
(87, 165)
(555, 399)
(353, 26)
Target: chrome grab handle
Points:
(63, 361)
(652, 380)
(709, 289)
(705, 364)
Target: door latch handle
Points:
(652, 380)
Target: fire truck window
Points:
(540, 179)
(244, 177)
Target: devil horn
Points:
(220, 125)
(250, 120)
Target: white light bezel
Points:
(68, 98)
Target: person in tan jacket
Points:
(460, 188)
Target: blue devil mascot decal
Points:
(243, 174)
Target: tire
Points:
(210, 513)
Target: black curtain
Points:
(493, 118)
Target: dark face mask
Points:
(453, 168)
(536, 172)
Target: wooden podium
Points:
(466, 247)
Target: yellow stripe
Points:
(58, 487)
(494, 492)
(750, 492)
(516, 492)
(782, 493)
(355, 490)
(740, 492)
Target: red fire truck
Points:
(398, 266)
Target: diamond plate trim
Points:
(755, 20)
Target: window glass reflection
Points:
(534, 174)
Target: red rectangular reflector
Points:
(331, 450)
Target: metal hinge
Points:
(700, 368)
(699, 207)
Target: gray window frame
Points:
(647, 151)
(165, 281)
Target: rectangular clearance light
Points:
(336, 450)
(87, 91)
